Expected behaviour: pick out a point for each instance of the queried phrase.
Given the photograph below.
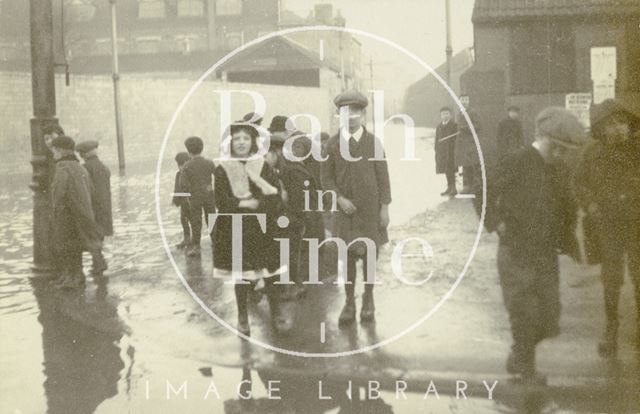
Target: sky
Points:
(417, 25)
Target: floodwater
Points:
(139, 344)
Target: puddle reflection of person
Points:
(81, 363)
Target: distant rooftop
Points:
(495, 10)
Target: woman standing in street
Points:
(246, 185)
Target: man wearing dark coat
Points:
(73, 222)
(196, 179)
(361, 185)
(100, 197)
(530, 206)
(466, 153)
(607, 183)
(509, 137)
(445, 143)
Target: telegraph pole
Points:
(449, 49)
(116, 86)
(44, 110)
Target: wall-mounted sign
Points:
(579, 104)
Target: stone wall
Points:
(86, 111)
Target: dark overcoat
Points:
(509, 137)
(73, 225)
(445, 149)
(466, 153)
(259, 249)
(364, 182)
(101, 195)
(293, 176)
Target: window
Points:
(80, 10)
(228, 7)
(190, 8)
(151, 9)
(542, 58)
(148, 44)
(234, 40)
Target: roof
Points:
(502, 10)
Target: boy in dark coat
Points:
(304, 223)
(196, 179)
(607, 184)
(182, 201)
(530, 206)
(445, 144)
(510, 137)
(73, 223)
(100, 198)
(363, 193)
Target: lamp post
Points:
(44, 111)
(116, 86)
(449, 49)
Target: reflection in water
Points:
(81, 363)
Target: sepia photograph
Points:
(319, 206)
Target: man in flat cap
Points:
(607, 184)
(73, 222)
(529, 205)
(360, 181)
(101, 198)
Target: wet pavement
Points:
(129, 345)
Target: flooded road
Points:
(140, 344)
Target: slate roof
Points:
(504, 10)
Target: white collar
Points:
(358, 134)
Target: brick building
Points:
(170, 37)
(532, 53)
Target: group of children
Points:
(278, 187)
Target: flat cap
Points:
(86, 146)
(351, 97)
(561, 126)
(608, 107)
(63, 142)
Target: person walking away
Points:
(73, 222)
(607, 183)
(249, 186)
(363, 194)
(182, 201)
(445, 142)
(100, 198)
(195, 179)
(530, 206)
(466, 153)
(510, 137)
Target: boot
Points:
(446, 192)
(194, 251)
(242, 293)
(279, 321)
(183, 244)
(608, 347)
(368, 311)
(348, 314)
(99, 264)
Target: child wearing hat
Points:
(100, 197)
(363, 195)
